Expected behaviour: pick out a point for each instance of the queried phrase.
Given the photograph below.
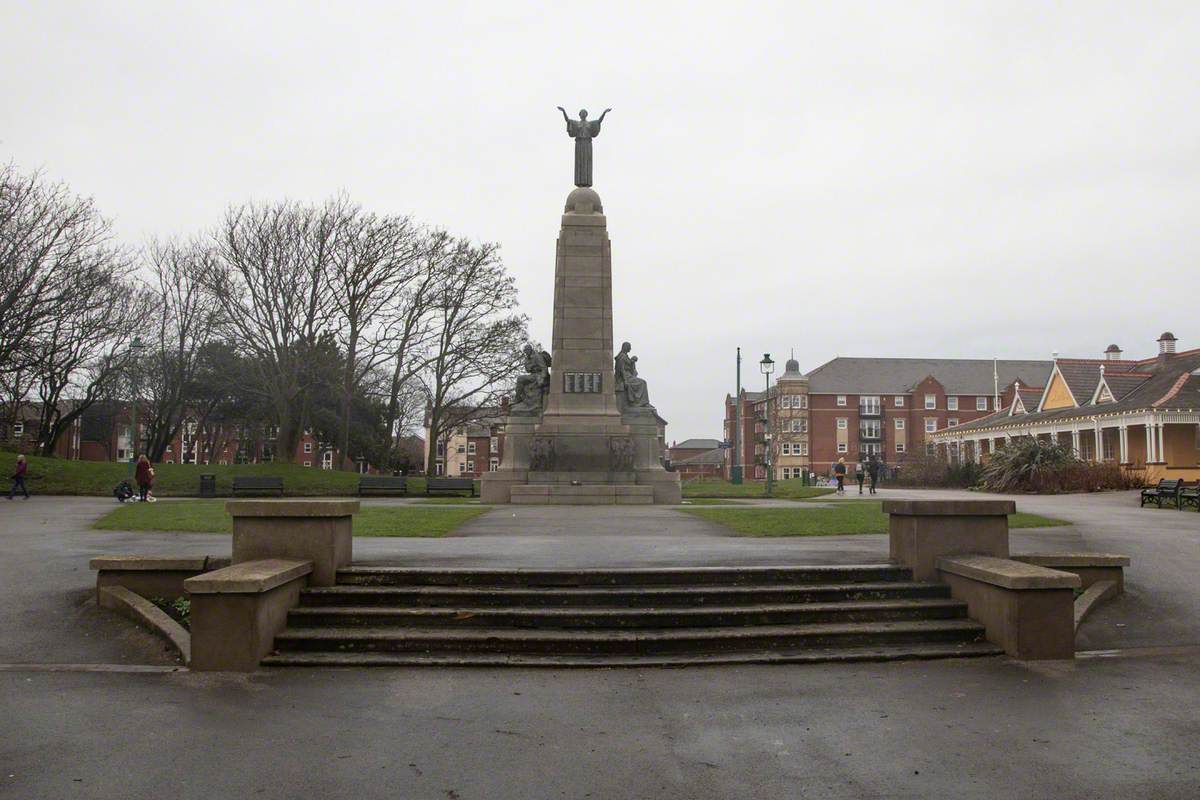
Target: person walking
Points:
(873, 473)
(839, 473)
(859, 475)
(18, 478)
(144, 475)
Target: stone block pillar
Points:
(922, 531)
(314, 530)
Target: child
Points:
(18, 478)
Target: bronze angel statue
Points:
(583, 130)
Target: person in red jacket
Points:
(18, 478)
(144, 475)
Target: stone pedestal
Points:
(581, 438)
(315, 530)
(921, 531)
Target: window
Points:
(327, 459)
(441, 448)
(470, 466)
(169, 450)
(930, 449)
(950, 423)
(981, 404)
(899, 423)
(930, 401)
(868, 404)
(470, 448)
(841, 423)
(18, 429)
(170, 461)
(930, 424)
(308, 447)
(785, 449)
(870, 449)
(494, 444)
(462, 448)
(952, 404)
(869, 429)
(841, 399)
(308, 463)
(493, 464)
(785, 401)
(841, 447)
(803, 448)
(462, 467)
(898, 402)
(439, 468)
(803, 401)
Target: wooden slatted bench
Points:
(382, 484)
(1166, 490)
(253, 484)
(1189, 495)
(450, 485)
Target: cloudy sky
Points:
(949, 179)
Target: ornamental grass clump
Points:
(1026, 464)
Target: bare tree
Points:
(374, 263)
(184, 323)
(477, 339)
(55, 254)
(270, 286)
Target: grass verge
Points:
(208, 516)
(785, 490)
(848, 517)
(62, 476)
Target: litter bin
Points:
(208, 485)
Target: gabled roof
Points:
(714, 456)
(844, 375)
(1172, 383)
(697, 444)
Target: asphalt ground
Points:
(81, 718)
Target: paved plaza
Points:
(93, 707)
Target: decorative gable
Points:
(1058, 393)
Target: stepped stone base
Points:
(593, 495)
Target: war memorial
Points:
(581, 429)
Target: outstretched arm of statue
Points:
(601, 117)
(564, 113)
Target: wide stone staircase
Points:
(397, 616)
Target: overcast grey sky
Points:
(878, 179)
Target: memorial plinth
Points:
(581, 433)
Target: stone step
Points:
(645, 576)
(616, 596)
(814, 655)
(574, 618)
(585, 494)
(650, 641)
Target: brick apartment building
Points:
(858, 408)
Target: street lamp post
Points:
(135, 352)
(768, 366)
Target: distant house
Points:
(689, 448)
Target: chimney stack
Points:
(1166, 344)
(1113, 353)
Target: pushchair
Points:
(123, 491)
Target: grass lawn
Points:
(61, 476)
(208, 516)
(786, 490)
(448, 500)
(712, 501)
(844, 518)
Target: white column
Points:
(1160, 451)
(1075, 441)
(1098, 438)
(1123, 440)
(1149, 442)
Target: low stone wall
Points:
(922, 531)
(320, 531)
(151, 576)
(1090, 567)
(238, 610)
(1027, 609)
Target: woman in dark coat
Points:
(144, 476)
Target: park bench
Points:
(1189, 495)
(450, 485)
(1166, 490)
(382, 484)
(247, 484)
